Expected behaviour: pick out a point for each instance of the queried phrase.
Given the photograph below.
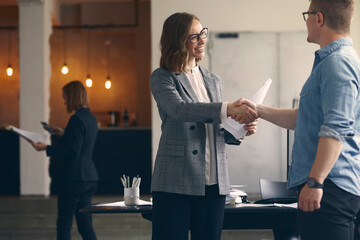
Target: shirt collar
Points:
(333, 46)
(193, 70)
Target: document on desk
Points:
(32, 136)
(122, 204)
(237, 129)
(257, 205)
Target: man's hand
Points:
(242, 102)
(309, 199)
(39, 146)
(245, 113)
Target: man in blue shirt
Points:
(326, 152)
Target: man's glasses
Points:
(194, 38)
(306, 15)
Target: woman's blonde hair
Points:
(75, 96)
(174, 54)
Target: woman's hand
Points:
(39, 146)
(242, 110)
(243, 102)
(58, 131)
(251, 128)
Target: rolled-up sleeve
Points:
(328, 132)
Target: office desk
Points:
(282, 220)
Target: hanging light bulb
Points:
(89, 81)
(64, 69)
(9, 70)
(108, 83)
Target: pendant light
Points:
(88, 81)
(65, 69)
(9, 69)
(108, 81)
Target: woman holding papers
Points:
(190, 178)
(80, 175)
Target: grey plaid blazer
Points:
(180, 159)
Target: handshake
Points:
(244, 111)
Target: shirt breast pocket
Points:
(305, 90)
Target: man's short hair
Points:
(337, 13)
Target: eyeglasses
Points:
(194, 38)
(306, 15)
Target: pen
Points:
(138, 182)
(133, 182)
(124, 177)
(123, 182)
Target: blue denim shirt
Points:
(330, 107)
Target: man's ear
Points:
(320, 18)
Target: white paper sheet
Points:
(122, 204)
(258, 205)
(32, 136)
(237, 129)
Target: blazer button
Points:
(192, 128)
(195, 152)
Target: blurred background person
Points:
(80, 174)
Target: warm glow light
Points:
(89, 81)
(108, 84)
(64, 69)
(9, 71)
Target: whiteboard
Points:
(244, 63)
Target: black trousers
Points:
(175, 214)
(357, 225)
(72, 197)
(335, 218)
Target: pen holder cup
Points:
(131, 196)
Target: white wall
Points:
(280, 16)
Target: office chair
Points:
(276, 192)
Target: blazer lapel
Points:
(210, 85)
(187, 86)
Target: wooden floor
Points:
(35, 218)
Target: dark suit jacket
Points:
(76, 147)
(180, 160)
